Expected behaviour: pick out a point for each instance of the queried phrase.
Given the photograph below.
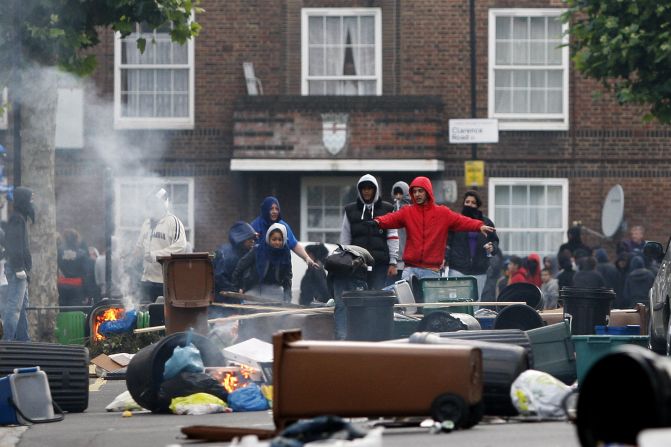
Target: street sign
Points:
(474, 173)
(467, 131)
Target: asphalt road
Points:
(98, 428)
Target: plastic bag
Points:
(197, 404)
(123, 402)
(187, 383)
(539, 395)
(126, 324)
(249, 398)
(185, 358)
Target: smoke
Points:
(81, 188)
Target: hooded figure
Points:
(270, 214)
(611, 277)
(402, 188)
(17, 268)
(381, 244)
(427, 226)
(400, 195)
(162, 234)
(470, 253)
(241, 237)
(574, 242)
(637, 284)
(534, 269)
(266, 265)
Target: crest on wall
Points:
(334, 131)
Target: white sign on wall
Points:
(474, 131)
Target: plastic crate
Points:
(630, 329)
(590, 348)
(553, 351)
(450, 290)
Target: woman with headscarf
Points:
(270, 214)
(266, 269)
(550, 263)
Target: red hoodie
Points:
(426, 228)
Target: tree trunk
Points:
(38, 130)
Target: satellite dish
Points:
(612, 211)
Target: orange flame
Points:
(111, 314)
(230, 381)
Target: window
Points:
(342, 51)
(130, 210)
(528, 69)
(70, 118)
(153, 89)
(531, 215)
(5, 109)
(323, 201)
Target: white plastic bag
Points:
(123, 402)
(539, 395)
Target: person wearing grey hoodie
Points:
(400, 195)
(382, 244)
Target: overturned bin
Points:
(188, 289)
(361, 379)
(501, 364)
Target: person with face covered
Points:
(17, 268)
(162, 234)
(270, 214)
(381, 244)
(241, 237)
(469, 253)
(266, 270)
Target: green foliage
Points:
(56, 32)
(626, 45)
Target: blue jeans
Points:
(341, 285)
(14, 316)
(409, 272)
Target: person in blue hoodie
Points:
(241, 238)
(266, 270)
(270, 214)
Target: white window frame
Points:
(148, 183)
(505, 181)
(4, 121)
(306, 182)
(305, 15)
(121, 122)
(530, 121)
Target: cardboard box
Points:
(105, 365)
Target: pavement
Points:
(98, 428)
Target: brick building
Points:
(333, 90)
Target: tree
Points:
(626, 45)
(55, 34)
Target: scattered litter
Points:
(123, 402)
(323, 428)
(539, 396)
(249, 398)
(198, 404)
(127, 414)
(185, 358)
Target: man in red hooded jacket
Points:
(427, 225)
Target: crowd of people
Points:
(409, 236)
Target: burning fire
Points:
(233, 377)
(111, 314)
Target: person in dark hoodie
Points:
(637, 284)
(381, 244)
(587, 277)
(469, 253)
(314, 286)
(241, 237)
(17, 268)
(565, 276)
(608, 271)
(574, 242)
(266, 269)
